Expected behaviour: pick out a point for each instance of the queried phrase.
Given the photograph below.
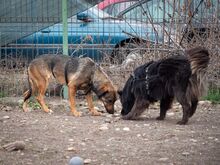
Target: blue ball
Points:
(76, 161)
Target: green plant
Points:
(213, 95)
(2, 94)
(32, 103)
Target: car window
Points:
(151, 9)
(118, 7)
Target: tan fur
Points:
(87, 75)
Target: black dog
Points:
(180, 76)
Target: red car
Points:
(114, 7)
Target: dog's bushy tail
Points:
(199, 60)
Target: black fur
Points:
(162, 80)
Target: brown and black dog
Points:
(77, 74)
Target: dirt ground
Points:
(107, 140)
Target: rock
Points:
(108, 120)
(185, 153)
(14, 146)
(117, 129)
(6, 117)
(126, 129)
(103, 128)
(170, 114)
(163, 159)
(87, 161)
(116, 115)
(138, 135)
(147, 125)
(71, 149)
(97, 109)
(205, 102)
(193, 140)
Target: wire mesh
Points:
(120, 35)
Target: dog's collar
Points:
(99, 94)
(147, 78)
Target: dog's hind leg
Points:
(72, 94)
(165, 104)
(42, 86)
(186, 108)
(194, 103)
(28, 94)
(90, 105)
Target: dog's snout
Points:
(110, 109)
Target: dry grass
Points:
(13, 78)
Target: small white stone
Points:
(117, 129)
(6, 117)
(185, 153)
(206, 102)
(126, 129)
(170, 114)
(193, 140)
(163, 159)
(87, 161)
(138, 135)
(71, 149)
(116, 115)
(103, 128)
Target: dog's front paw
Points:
(26, 110)
(182, 122)
(160, 118)
(96, 113)
(77, 114)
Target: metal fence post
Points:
(65, 39)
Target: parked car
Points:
(192, 17)
(92, 33)
(114, 7)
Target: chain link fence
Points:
(119, 35)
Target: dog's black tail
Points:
(199, 60)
